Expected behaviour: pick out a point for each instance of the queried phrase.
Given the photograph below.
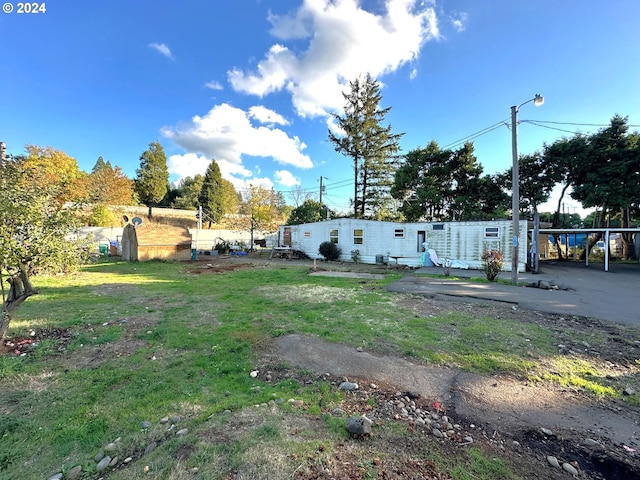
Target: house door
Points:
(287, 237)
(422, 236)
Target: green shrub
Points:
(330, 251)
(222, 247)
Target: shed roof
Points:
(159, 235)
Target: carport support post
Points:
(535, 248)
(606, 250)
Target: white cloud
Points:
(191, 164)
(213, 85)
(227, 135)
(344, 41)
(188, 165)
(267, 116)
(162, 48)
(256, 182)
(286, 178)
(459, 21)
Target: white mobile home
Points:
(404, 242)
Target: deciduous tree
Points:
(231, 198)
(609, 176)
(186, 194)
(55, 168)
(109, 185)
(310, 211)
(262, 209)
(436, 184)
(603, 170)
(33, 235)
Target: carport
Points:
(588, 231)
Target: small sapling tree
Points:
(492, 262)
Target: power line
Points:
(340, 183)
(497, 125)
(578, 124)
(553, 128)
(472, 136)
(477, 134)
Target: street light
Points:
(515, 180)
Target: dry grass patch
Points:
(312, 294)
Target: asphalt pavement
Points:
(585, 291)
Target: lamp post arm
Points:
(537, 100)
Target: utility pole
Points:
(322, 187)
(515, 186)
(321, 190)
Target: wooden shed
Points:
(150, 241)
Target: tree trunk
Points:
(20, 289)
(628, 250)
(556, 222)
(591, 241)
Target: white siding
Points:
(464, 241)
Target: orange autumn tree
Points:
(54, 168)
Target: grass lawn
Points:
(159, 339)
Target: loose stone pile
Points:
(406, 407)
(410, 408)
(112, 455)
(361, 416)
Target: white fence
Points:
(202, 239)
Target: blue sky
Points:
(251, 83)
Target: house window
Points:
(333, 236)
(438, 226)
(358, 236)
(492, 232)
(398, 233)
(307, 234)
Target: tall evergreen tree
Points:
(373, 148)
(152, 178)
(211, 196)
(100, 164)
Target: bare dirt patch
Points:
(613, 348)
(218, 266)
(409, 451)
(24, 344)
